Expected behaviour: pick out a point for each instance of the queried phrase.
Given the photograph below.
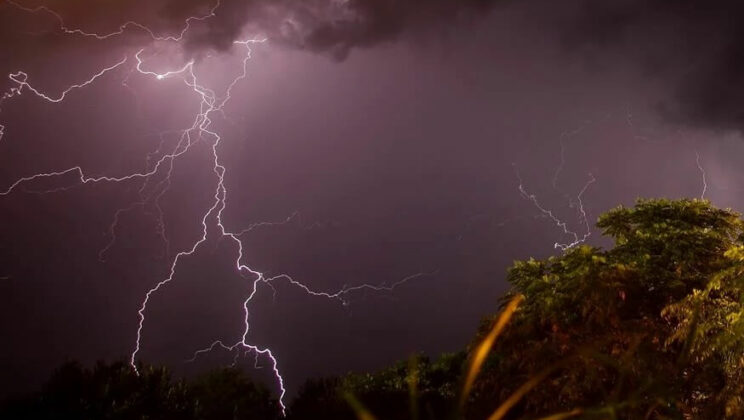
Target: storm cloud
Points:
(327, 26)
(697, 47)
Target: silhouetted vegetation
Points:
(652, 328)
(115, 391)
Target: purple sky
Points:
(385, 135)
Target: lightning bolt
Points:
(702, 174)
(21, 80)
(577, 238)
(152, 190)
(122, 28)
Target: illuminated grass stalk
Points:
(481, 352)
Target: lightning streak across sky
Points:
(122, 28)
(702, 173)
(577, 238)
(155, 178)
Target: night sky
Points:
(371, 142)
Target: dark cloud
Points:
(30, 29)
(333, 26)
(325, 26)
(696, 46)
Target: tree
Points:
(651, 328)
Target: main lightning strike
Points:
(209, 106)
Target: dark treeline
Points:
(115, 391)
(652, 328)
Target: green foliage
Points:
(651, 328)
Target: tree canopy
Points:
(650, 328)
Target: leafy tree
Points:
(650, 328)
